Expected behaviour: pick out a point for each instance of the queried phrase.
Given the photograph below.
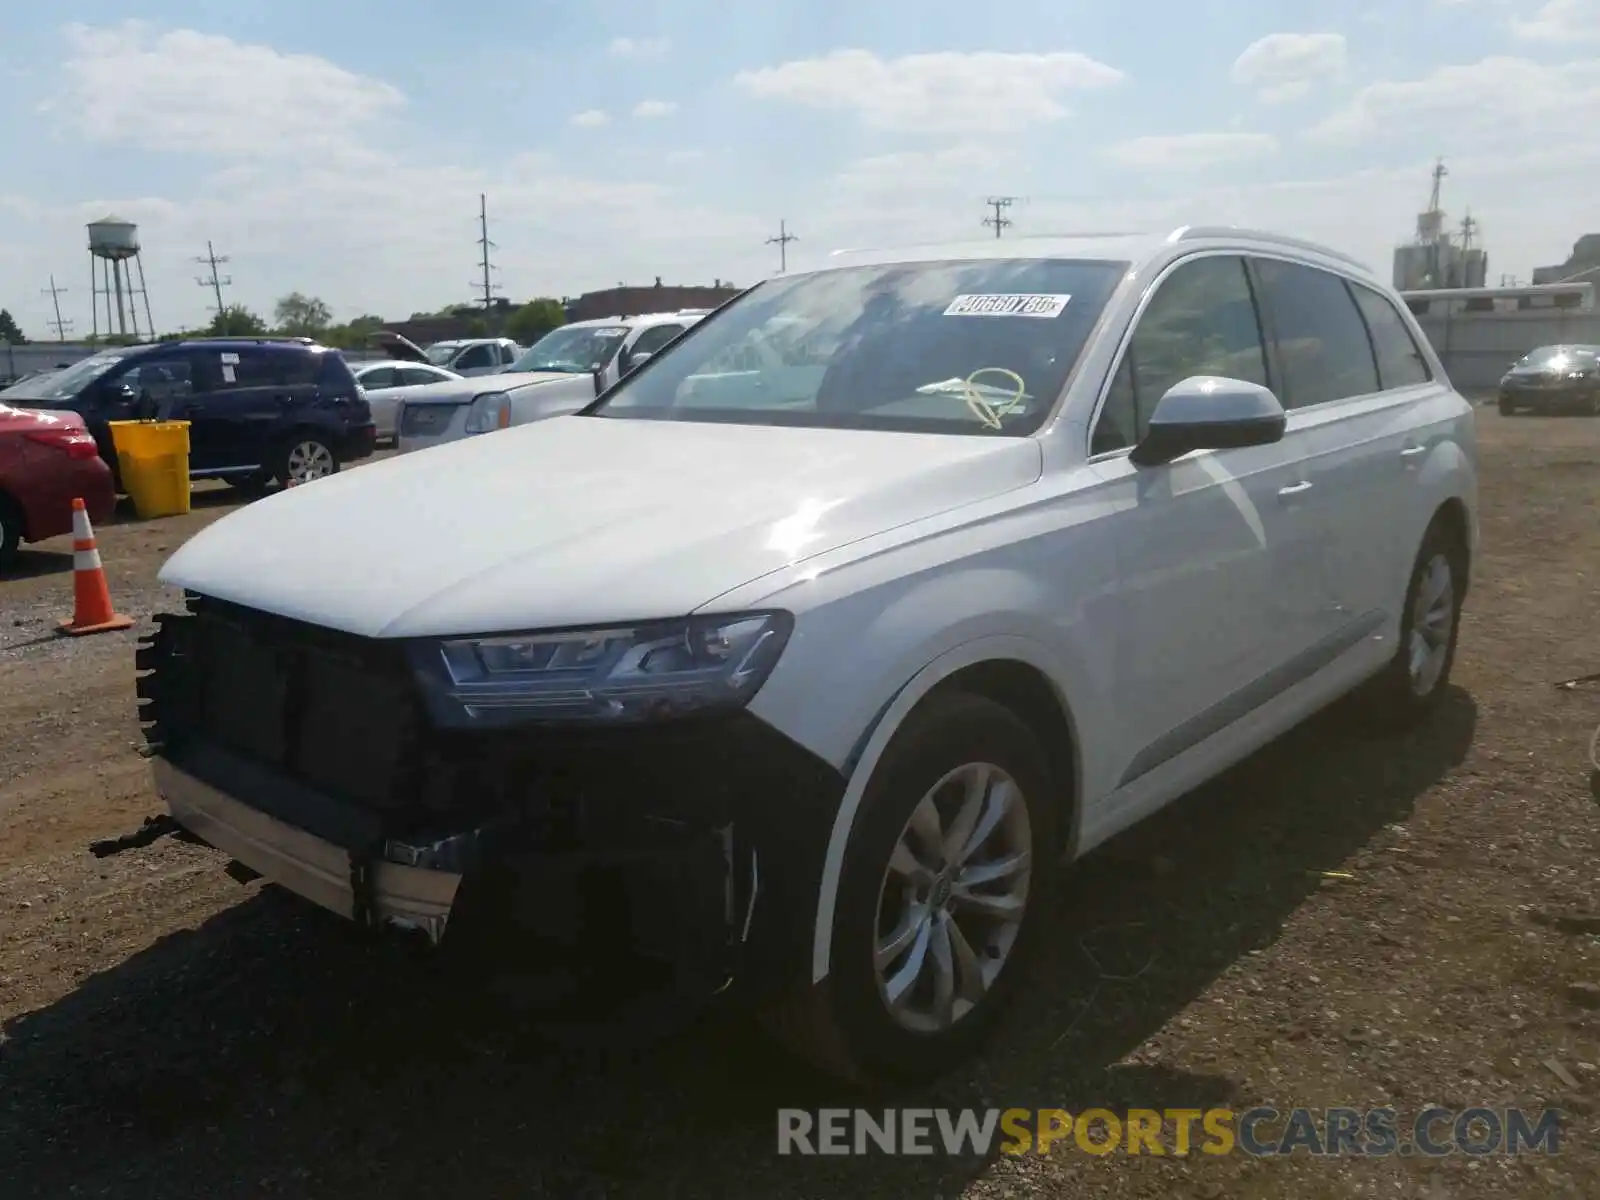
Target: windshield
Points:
(974, 347)
(440, 353)
(68, 382)
(1557, 357)
(575, 349)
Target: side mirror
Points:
(124, 391)
(1209, 412)
(599, 374)
(637, 360)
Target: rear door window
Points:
(474, 357)
(1322, 342)
(379, 378)
(1400, 361)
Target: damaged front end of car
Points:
(677, 856)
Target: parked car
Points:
(258, 409)
(1553, 379)
(559, 374)
(46, 461)
(803, 677)
(386, 382)
(463, 356)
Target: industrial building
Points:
(1480, 332)
(1434, 258)
(1584, 263)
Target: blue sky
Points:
(339, 148)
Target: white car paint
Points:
(529, 396)
(1148, 598)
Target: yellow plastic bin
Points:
(153, 459)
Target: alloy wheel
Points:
(1433, 616)
(953, 898)
(307, 461)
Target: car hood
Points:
(460, 391)
(580, 520)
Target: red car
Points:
(46, 460)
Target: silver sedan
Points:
(387, 382)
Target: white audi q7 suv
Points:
(793, 663)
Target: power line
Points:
(999, 221)
(483, 241)
(58, 324)
(215, 282)
(782, 243)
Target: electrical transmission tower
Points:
(1000, 204)
(486, 245)
(61, 327)
(214, 281)
(782, 243)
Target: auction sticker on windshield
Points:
(1021, 304)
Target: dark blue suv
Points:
(259, 409)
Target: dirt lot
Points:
(172, 1033)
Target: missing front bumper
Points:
(407, 897)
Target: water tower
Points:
(113, 259)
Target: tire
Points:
(10, 530)
(845, 1026)
(303, 457)
(1506, 408)
(250, 486)
(1403, 694)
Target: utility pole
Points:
(214, 281)
(1469, 230)
(58, 324)
(782, 243)
(999, 220)
(487, 245)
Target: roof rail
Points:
(256, 337)
(1189, 233)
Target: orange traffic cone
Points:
(91, 597)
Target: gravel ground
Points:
(1338, 922)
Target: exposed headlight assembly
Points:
(489, 412)
(618, 675)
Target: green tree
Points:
(236, 321)
(352, 335)
(535, 319)
(300, 315)
(10, 332)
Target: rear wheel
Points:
(305, 457)
(1411, 685)
(939, 901)
(10, 530)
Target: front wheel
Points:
(939, 900)
(10, 530)
(304, 458)
(1506, 408)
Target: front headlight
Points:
(489, 412)
(616, 675)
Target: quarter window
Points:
(1201, 321)
(1400, 361)
(1322, 341)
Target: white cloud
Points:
(947, 92)
(1561, 21)
(626, 47)
(1499, 102)
(1286, 66)
(648, 109)
(1192, 151)
(590, 118)
(189, 91)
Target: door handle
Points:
(1411, 452)
(1294, 490)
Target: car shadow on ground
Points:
(203, 496)
(35, 564)
(274, 1051)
